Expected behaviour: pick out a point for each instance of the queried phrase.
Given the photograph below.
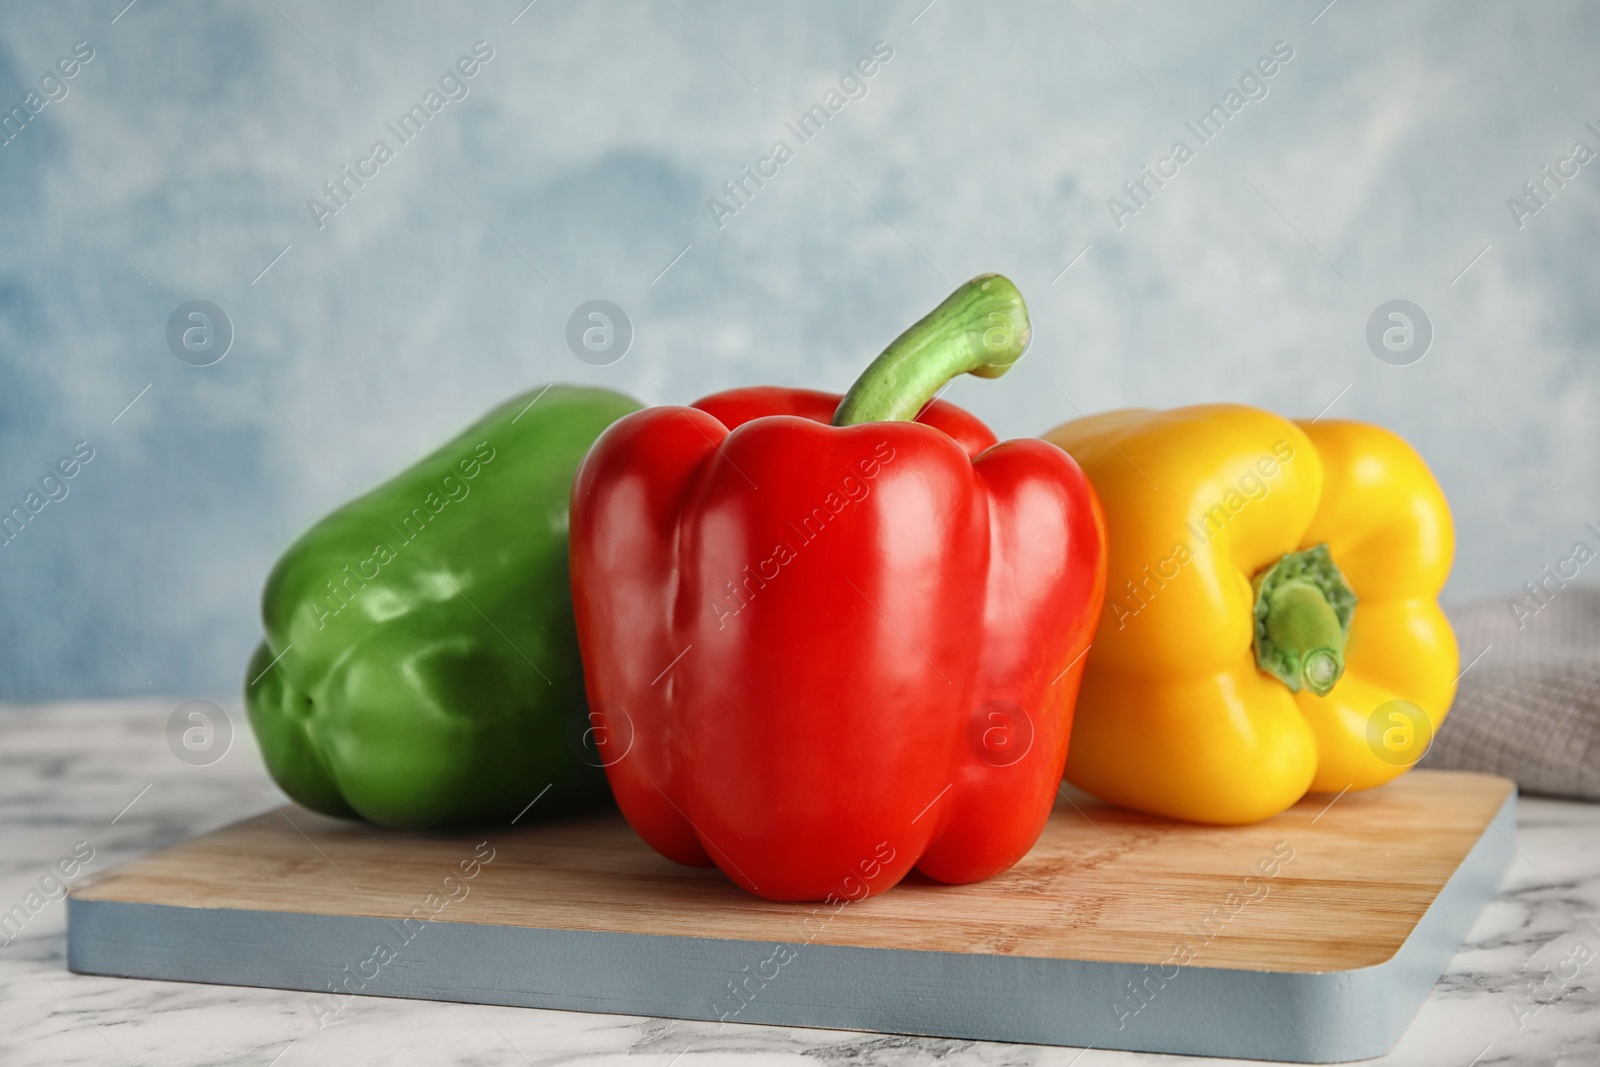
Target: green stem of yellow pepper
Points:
(1302, 620)
(981, 328)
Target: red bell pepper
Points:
(819, 655)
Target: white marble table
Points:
(101, 776)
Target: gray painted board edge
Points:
(1327, 1017)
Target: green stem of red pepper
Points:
(981, 328)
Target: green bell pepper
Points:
(420, 666)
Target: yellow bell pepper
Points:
(1271, 624)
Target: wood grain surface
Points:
(1349, 878)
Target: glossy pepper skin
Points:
(819, 655)
(420, 667)
(1177, 716)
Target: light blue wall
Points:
(180, 161)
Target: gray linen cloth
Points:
(1530, 707)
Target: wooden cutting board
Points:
(1311, 937)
